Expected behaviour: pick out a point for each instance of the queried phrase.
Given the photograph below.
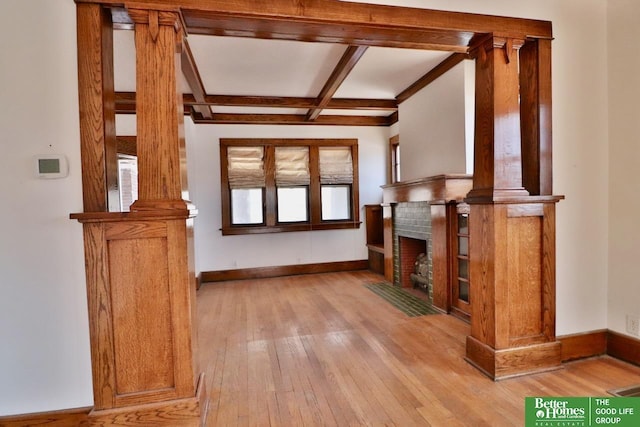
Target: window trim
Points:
(393, 170)
(271, 224)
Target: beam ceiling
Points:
(322, 21)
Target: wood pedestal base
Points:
(512, 362)
(188, 412)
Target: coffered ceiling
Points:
(254, 80)
(310, 62)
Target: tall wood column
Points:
(139, 264)
(512, 233)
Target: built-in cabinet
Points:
(375, 237)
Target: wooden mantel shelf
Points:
(434, 189)
(189, 212)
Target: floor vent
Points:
(631, 391)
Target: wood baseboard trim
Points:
(189, 412)
(583, 345)
(513, 362)
(63, 418)
(623, 347)
(286, 270)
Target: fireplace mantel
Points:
(438, 189)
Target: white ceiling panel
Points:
(255, 67)
(257, 110)
(124, 63)
(385, 72)
(373, 113)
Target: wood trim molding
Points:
(349, 60)
(623, 347)
(191, 73)
(62, 418)
(584, 344)
(434, 189)
(599, 342)
(285, 270)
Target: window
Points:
(394, 159)
(275, 185)
(336, 176)
(128, 180)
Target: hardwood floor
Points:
(322, 350)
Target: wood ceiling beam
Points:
(294, 119)
(192, 75)
(450, 62)
(343, 22)
(126, 102)
(349, 60)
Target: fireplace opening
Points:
(414, 262)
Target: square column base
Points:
(513, 362)
(187, 412)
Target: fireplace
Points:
(418, 216)
(412, 235)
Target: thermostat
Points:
(51, 166)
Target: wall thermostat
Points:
(50, 166)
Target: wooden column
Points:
(535, 110)
(161, 184)
(139, 265)
(512, 234)
(97, 109)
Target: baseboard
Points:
(513, 362)
(582, 345)
(285, 270)
(188, 412)
(623, 347)
(63, 418)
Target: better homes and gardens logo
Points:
(582, 411)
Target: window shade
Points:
(292, 166)
(246, 167)
(336, 165)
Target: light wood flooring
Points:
(322, 350)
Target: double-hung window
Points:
(274, 185)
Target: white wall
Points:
(217, 252)
(432, 128)
(580, 147)
(44, 337)
(624, 151)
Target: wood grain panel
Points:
(440, 257)
(135, 230)
(148, 364)
(100, 316)
(524, 250)
(482, 274)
